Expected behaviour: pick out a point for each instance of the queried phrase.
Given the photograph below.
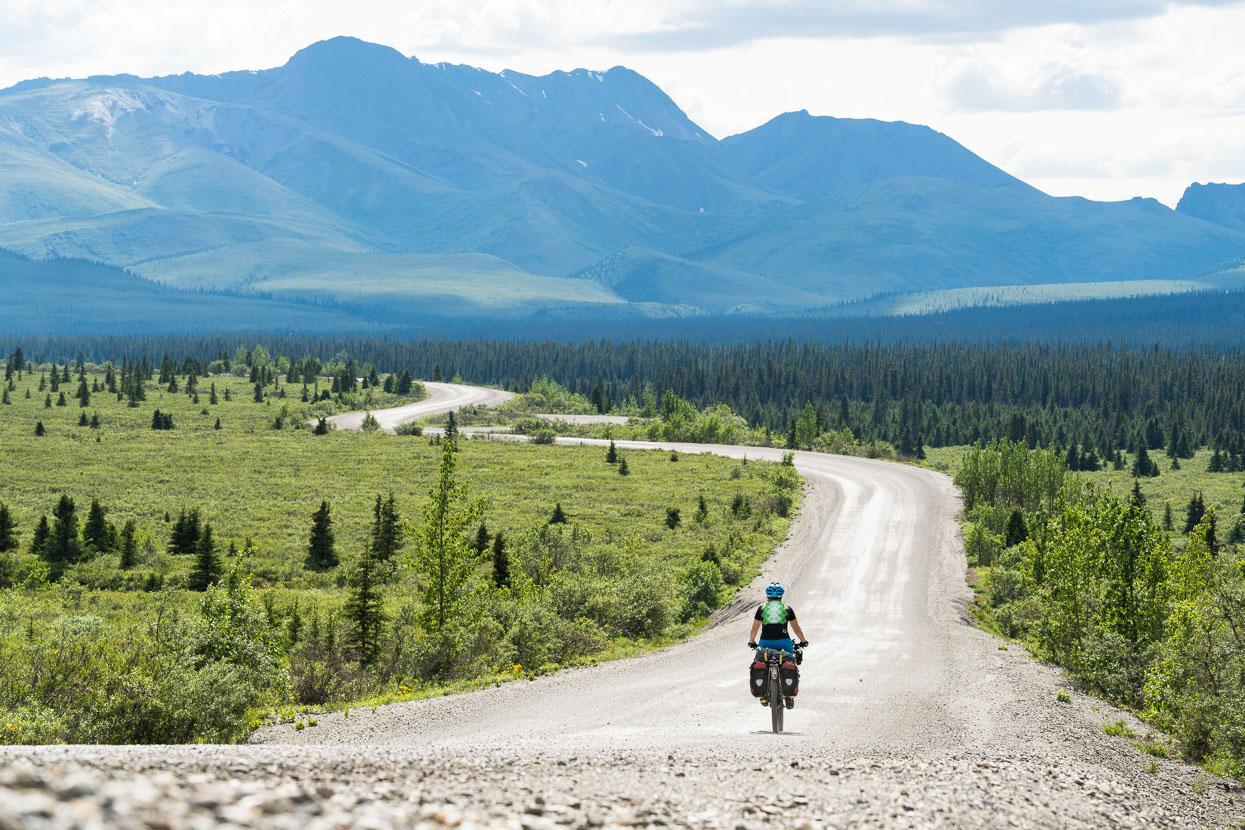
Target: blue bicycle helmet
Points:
(774, 590)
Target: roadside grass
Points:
(1224, 491)
(259, 485)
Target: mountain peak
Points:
(344, 49)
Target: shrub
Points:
(545, 435)
(409, 428)
(700, 589)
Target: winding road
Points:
(442, 397)
(907, 716)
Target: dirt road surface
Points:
(442, 397)
(907, 715)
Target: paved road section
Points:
(907, 716)
(442, 397)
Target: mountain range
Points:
(355, 175)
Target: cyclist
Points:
(772, 619)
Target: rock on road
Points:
(907, 715)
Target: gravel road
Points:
(442, 397)
(907, 717)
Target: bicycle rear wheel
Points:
(775, 700)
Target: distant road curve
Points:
(442, 397)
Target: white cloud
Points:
(1024, 83)
(983, 85)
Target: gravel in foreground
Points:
(314, 788)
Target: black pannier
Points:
(757, 679)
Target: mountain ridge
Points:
(351, 148)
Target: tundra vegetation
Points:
(184, 578)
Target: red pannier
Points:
(790, 677)
(757, 679)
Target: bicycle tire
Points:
(775, 700)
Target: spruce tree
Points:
(95, 531)
(501, 561)
(386, 536)
(1137, 497)
(129, 547)
(207, 569)
(40, 429)
(60, 401)
(63, 548)
(623, 469)
(184, 539)
(482, 539)
(322, 427)
(702, 511)
(8, 529)
(1017, 531)
(82, 419)
(84, 394)
(558, 517)
(321, 555)
(451, 427)
(1167, 517)
(1193, 512)
(611, 455)
(43, 536)
(364, 609)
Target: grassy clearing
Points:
(259, 485)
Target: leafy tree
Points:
(558, 517)
(321, 553)
(365, 609)
(95, 531)
(129, 547)
(8, 529)
(444, 560)
(207, 570)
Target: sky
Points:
(1106, 99)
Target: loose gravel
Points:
(907, 717)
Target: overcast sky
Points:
(1106, 99)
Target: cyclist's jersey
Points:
(774, 616)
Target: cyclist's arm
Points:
(795, 626)
(756, 626)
